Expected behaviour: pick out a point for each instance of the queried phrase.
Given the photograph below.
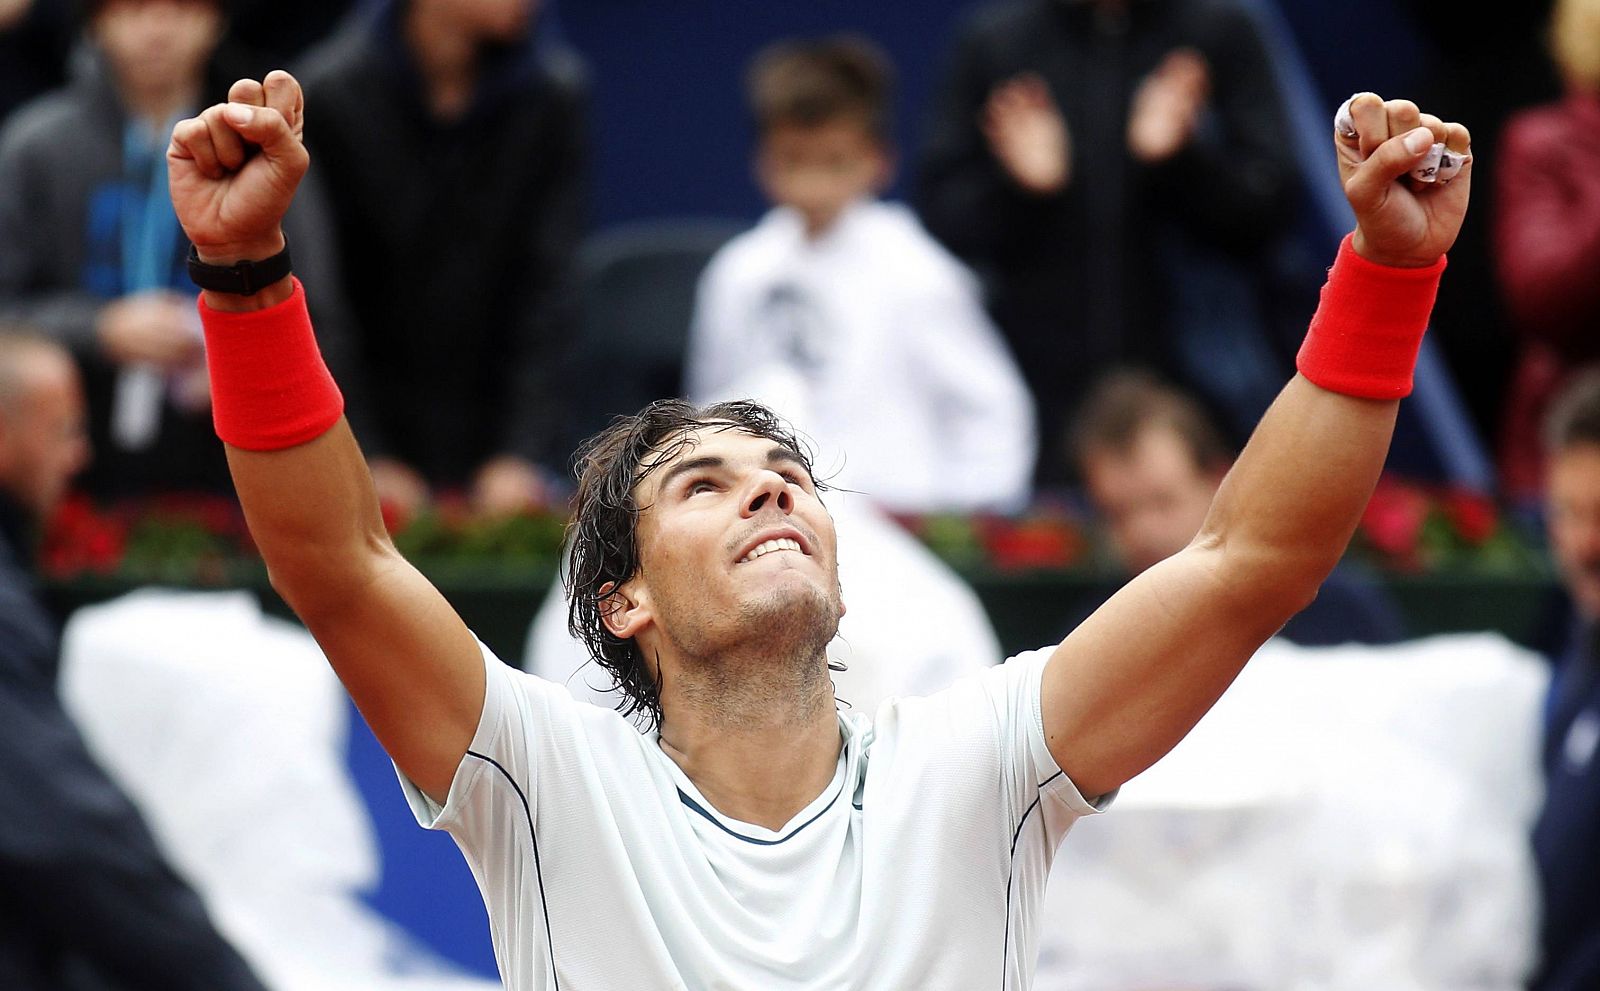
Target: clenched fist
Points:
(1400, 221)
(234, 169)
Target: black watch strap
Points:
(245, 278)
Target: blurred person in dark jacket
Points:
(457, 261)
(35, 36)
(1151, 459)
(92, 253)
(1566, 838)
(1547, 241)
(87, 901)
(1078, 149)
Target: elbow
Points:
(318, 581)
(1270, 585)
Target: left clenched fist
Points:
(233, 170)
(1399, 220)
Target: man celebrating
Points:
(759, 838)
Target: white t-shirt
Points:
(921, 866)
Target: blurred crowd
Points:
(1118, 225)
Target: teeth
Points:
(780, 544)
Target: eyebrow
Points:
(775, 455)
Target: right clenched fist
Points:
(233, 170)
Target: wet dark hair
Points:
(603, 536)
(1128, 401)
(816, 82)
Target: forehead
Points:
(1158, 456)
(846, 133)
(726, 442)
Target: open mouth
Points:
(771, 546)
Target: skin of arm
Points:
(408, 661)
(1134, 678)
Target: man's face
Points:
(43, 443)
(1154, 496)
(734, 546)
(1573, 494)
(819, 170)
(503, 21)
(158, 44)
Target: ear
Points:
(625, 608)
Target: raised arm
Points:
(407, 660)
(1135, 677)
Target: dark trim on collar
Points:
(696, 806)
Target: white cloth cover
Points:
(227, 728)
(1346, 818)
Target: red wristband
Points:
(1368, 328)
(269, 386)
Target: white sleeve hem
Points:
(1055, 784)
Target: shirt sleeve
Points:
(499, 747)
(1029, 761)
(980, 744)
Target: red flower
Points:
(1472, 515)
(1033, 544)
(1393, 520)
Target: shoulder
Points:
(27, 633)
(1539, 130)
(756, 250)
(1003, 21)
(44, 121)
(984, 699)
(1216, 21)
(340, 68)
(564, 74)
(918, 262)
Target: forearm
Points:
(314, 515)
(1285, 513)
(299, 474)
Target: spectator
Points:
(93, 253)
(1078, 150)
(1566, 839)
(86, 899)
(1152, 460)
(1547, 228)
(844, 305)
(457, 263)
(35, 36)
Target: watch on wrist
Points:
(244, 278)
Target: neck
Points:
(446, 56)
(760, 740)
(156, 104)
(818, 225)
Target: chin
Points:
(799, 612)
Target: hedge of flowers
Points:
(203, 541)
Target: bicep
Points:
(1131, 681)
(409, 662)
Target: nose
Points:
(768, 487)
